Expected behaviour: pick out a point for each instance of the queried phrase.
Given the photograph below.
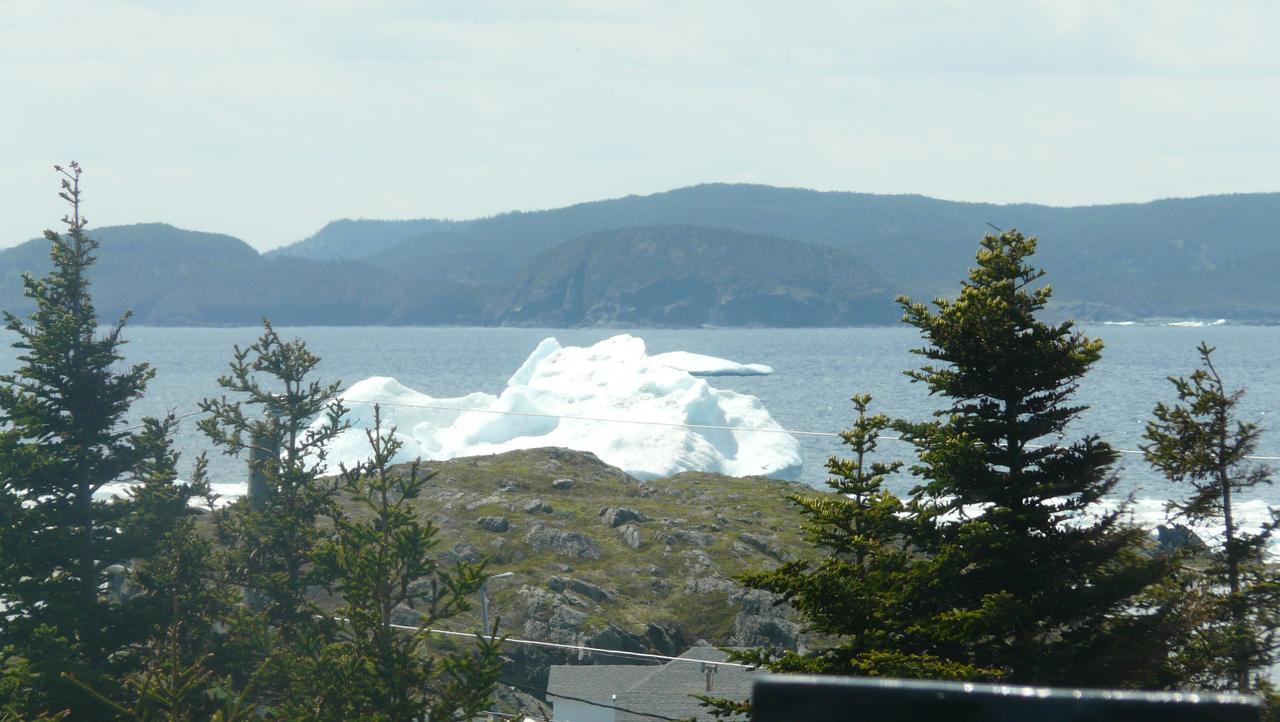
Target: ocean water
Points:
(815, 372)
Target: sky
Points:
(265, 120)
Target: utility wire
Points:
(570, 647)
(535, 690)
(580, 648)
(676, 424)
(707, 427)
(644, 422)
(179, 417)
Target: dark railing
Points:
(778, 698)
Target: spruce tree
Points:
(1027, 572)
(380, 563)
(853, 595)
(270, 540)
(64, 415)
(1199, 442)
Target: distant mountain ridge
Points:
(1207, 257)
(693, 276)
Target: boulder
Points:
(537, 506)
(616, 516)
(765, 545)
(589, 590)
(562, 484)
(1178, 537)
(460, 552)
(665, 639)
(562, 543)
(496, 524)
(630, 535)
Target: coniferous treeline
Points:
(128, 609)
(1002, 564)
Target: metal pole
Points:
(263, 450)
(484, 617)
(484, 600)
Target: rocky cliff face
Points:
(603, 560)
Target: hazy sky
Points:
(266, 119)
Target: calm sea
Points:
(815, 372)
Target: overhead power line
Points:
(676, 424)
(647, 422)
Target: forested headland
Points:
(704, 255)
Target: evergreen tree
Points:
(1026, 572)
(855, 593)
(379, 562)
(1200, 442)
(64, 413)
(271, 538)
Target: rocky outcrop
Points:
(763, 622)
(616, 516)
(562, 543)
(600, 559)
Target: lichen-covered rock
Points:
(589, 590)
(615, 637)
(562, 484)
(764, 545)
(566, 617)
(630, 535)
(762, 622)
(616, 516)
(562, 543)
(666, 639)
(686, 537)
(537, 506)
(491, 499)
(708, 584)
(496, 524)
(460, 552)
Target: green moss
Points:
(646, 584)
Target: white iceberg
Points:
(644, 414)
(700, 365)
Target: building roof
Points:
(595, 682)
(669, 690)
(666, 691)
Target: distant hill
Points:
(348, 238)
(1116, 261)
(170, 276)
(783, 248)
(690, 276)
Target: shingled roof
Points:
(666, 691)
(594, 682)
